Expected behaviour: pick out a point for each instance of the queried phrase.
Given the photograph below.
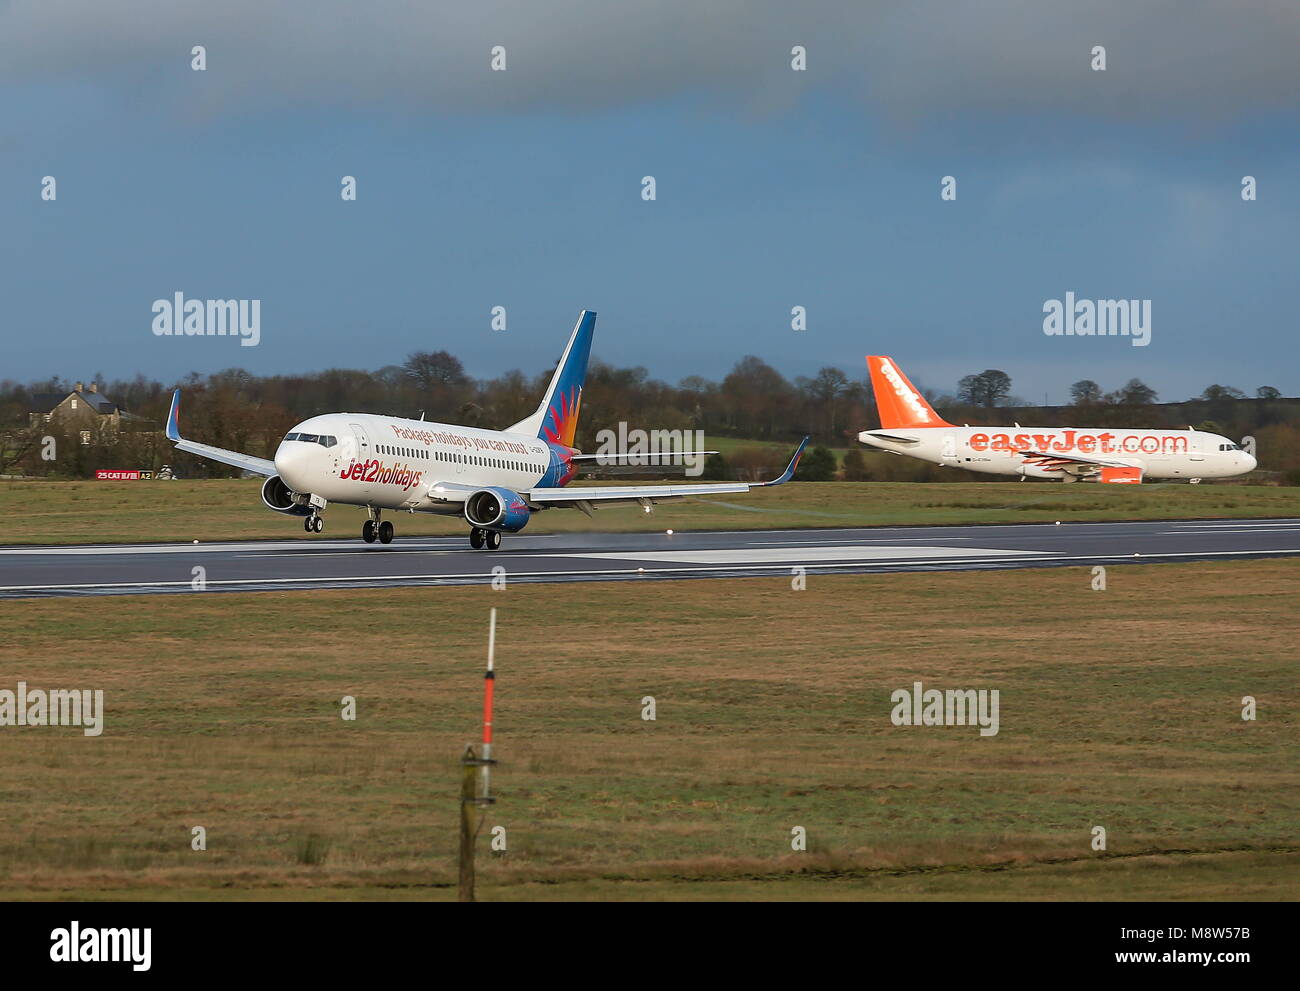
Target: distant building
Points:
(87, 411)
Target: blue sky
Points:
(774, 189)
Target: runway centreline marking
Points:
(1045, 558)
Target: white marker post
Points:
(471, 816)
(489, 682)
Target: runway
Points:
(308, 563)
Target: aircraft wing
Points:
(1044, 460)
(589, 498)
(246, 462)
(620, 458)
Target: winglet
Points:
(788, 474)
(173, 415)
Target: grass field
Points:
(1119, 709)
(780, 450)
(112, 512)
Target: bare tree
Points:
(987, 389)
(1085, 392)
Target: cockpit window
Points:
(324, 440)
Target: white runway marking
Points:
(865, 540)
(265, 546)
(1207, 531)
(363, 580)
(798, 554)
(1225, 524)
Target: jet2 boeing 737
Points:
(908, 426)
(495, 479)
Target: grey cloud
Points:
(917, 60)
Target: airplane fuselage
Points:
(364, 459)
(1160, 454)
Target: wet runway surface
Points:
(319, 562)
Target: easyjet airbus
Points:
(910, 427)
(495, 479)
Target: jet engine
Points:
(497, 509)
(278, 496)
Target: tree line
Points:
(241, 411)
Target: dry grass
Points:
(229, 509)
(1118, 708)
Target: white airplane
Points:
(496, 479)
(908, 426)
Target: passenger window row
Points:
(465, 459)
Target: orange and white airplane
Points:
(909, 426)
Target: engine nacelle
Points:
(497, 509)
(278, 496)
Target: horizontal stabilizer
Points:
(892, 438)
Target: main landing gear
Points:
(314, 523)
(373, 529)
(478, 537)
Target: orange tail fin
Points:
(897, 401)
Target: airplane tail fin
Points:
(897, 401)
(556, 419)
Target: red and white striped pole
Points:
(489, 682)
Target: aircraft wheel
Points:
(318, 524)
(306, 524)
(475, 538)
(493, 540)
(368, 531)
(385, 532)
